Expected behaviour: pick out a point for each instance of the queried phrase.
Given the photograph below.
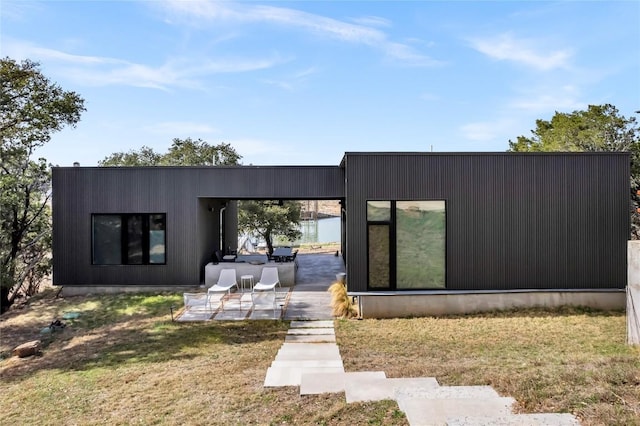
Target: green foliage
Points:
(270, 218)
(31, 109)
(182, 152)
(599, 128)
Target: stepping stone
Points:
(311, 331)
(292, 338)
(377, 389)
(313, 384)
(429, 412)
(291, 376)
(308, 351)
(447, 392)
(309, 363)
(311, 324)
(538, 419)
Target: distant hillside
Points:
(324, 208)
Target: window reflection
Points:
(420, 244)
(379, 256)
(156, 238)
(128, 239)
(107, 232)
(378, 211)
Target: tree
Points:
(31, 109)
(269, 219)
(266, 218)
(599, 128)
(182, 152)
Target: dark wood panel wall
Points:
(181, 193)
(514, 221)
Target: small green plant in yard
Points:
(341, 302)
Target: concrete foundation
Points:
(397, 305)
(82, 290)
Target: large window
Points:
(406, 244)
(129, 239)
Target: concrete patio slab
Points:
(265, 314)
(292, 338)
(232, 314)
(430, 412)
(317, 331)
(291, 376)
(376, 389)
(546, 419)
(312, 324)
(195, 315)
(309, 305)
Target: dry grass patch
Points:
(565, 360)
(123, 361)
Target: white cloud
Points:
(507, 48)
(548, 99)
(19, 10)
(22, 50)
(292, 82)
(488, 130)
(364, 34)
(105, 71)
(372, 21)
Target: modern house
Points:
(423, 233)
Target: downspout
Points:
(222, 230)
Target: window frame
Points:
(393, 240)
(145, 238)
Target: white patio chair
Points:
(226, 281)
(195, 300)
(268, 279)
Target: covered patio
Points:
(308, 299)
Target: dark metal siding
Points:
(79, 192)
(514, 221)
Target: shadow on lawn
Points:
(121, 329)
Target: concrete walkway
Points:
(310, 299)
(310, 358)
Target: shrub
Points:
(341, 302)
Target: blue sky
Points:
(303, 82)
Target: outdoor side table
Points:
(248, 280)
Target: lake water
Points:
(320, 231)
